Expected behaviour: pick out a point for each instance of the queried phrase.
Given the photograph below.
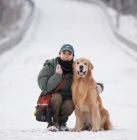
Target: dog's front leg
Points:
(95, 117)
(79, 121)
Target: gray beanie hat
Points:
(67, 47)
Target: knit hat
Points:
(67, 47)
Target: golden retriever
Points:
(89, 111)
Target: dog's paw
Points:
(76, 130)
(101, 129)
(94, 129)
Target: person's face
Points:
(66, 55)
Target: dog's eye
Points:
(85, 63)
(77, 62)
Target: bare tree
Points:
(118, 7)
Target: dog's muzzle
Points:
(81, 72)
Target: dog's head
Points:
(82, 67)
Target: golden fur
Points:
(89, 111)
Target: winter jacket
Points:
(48, 80)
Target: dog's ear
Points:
(90, 67)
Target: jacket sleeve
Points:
(48, 80)
(102, 86)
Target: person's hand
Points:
(99, 89)
(58, 69)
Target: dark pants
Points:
(62, 109)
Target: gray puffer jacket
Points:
(48, 79)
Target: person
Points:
(50, 76)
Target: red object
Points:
(44, 100)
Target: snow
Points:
(86, 27)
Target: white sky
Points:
(86, 27)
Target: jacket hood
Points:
(52, 62)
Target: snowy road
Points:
(86, 27)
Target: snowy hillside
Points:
(86, 27)
(128, 24)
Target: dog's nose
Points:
(81, 67)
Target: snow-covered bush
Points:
(128, 7)
(10, 13)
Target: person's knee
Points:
(56, 99)
(69, 106)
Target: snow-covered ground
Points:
(86, 27)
